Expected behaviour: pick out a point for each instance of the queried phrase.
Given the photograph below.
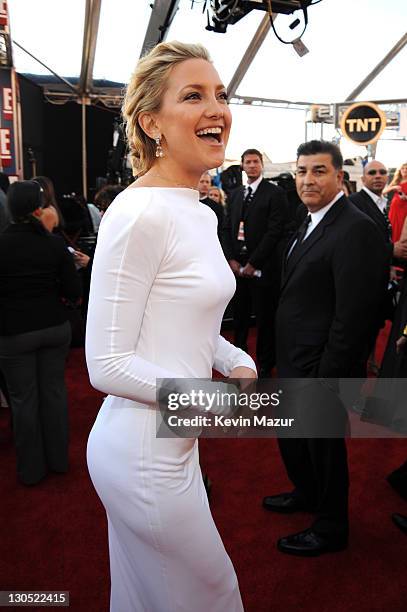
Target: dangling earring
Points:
(159, 150)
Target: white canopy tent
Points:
(357, 50)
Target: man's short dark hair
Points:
(314, 147)
(252, 152)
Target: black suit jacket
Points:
(219, 212)
(364, 202)
(331, 292)
(263, 227)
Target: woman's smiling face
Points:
(194, 119)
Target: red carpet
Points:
(53, 536)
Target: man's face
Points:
(252, 166)
(204, 184)
(375, 177)
(317, 180)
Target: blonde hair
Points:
(396, 180)
(222, 196)
(145, 92)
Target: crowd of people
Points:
(320, 274)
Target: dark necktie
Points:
(302, 230)
(247, 199)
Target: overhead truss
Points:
(162, 15)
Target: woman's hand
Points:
(244, 375)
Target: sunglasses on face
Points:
(382, 172)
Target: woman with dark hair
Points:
(36, 273)
(54, 217)
(106, 195)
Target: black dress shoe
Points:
(309, 544)
(285, 503)
(401, 521)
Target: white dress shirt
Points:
(380, 202)
(316, 217)
(253, 185)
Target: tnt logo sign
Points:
(5, 147)
(7, 103)
(3, 13)
(363, 123)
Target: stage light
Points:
(227, 12)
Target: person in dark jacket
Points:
(205, 183)
(36, 273)
(370, 201)
(328, 307)
(251, 239)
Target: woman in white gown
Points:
(160, 284)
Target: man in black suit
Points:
(205, 183)
(370, 201)
(251, 236)
(328, 306)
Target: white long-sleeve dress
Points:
(160, 285)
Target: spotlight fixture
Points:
(228, 12)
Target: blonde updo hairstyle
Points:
(145, 93)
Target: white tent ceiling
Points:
(346, 40)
